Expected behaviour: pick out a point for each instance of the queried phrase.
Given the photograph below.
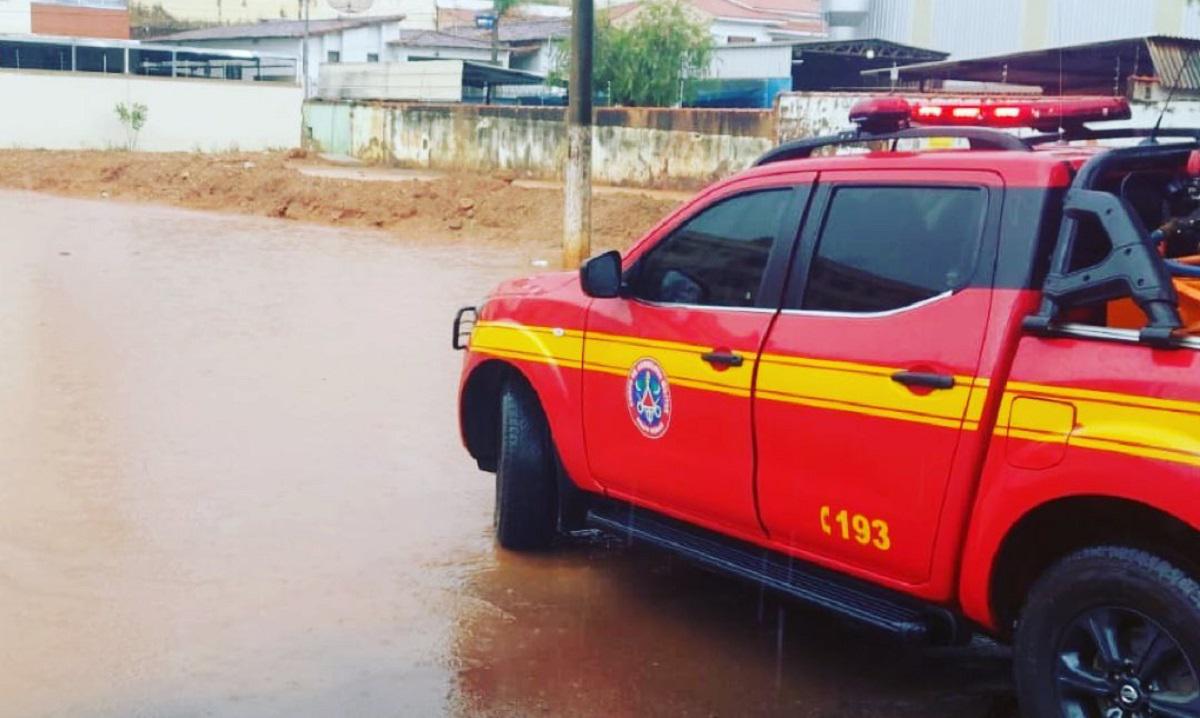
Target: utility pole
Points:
(577, 218)
(304, 51)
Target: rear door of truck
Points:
(868, 377)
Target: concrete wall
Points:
(639, 147)
(63, 110)
(810, 114)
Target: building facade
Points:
(66, 18)
(978, 29)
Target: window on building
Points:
(740, 40)
(885, 248)
(372, 57)
(333, 56)
(718, 257)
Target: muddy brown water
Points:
(231, 485)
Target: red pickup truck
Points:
(937, 391)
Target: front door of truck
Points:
(669, 366)
(866, 381)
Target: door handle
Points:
(722, 358)
(925, 379)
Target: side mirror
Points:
(600, 276)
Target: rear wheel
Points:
(1110, 632)
(526, 515)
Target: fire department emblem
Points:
(649, 398)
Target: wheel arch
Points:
(1051, 530)
(479, 408)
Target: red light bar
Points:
(888, 114)
(1043, 113)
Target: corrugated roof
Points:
(521, 30)
(1176, 57)
(432, 38)
(276, 29)
(1089, 68)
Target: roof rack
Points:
(979, 138)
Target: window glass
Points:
(886, 248)
(718, 257)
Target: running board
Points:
(800, 580)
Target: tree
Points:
(648, 62)
(133, 117)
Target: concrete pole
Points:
(577, 218)
(304, 52)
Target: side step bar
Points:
(907, 618)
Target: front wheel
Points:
(526, 516)
(1110, 632)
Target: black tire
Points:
(526, 516)
(1110, 632)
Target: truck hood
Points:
(535, 285)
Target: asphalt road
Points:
(231, 485)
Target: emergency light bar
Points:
(885, 114)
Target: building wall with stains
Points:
(631, 146)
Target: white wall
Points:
(14, 17)
(730, 62)
(62, 110)
(722, 30)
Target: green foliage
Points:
(647, 62)
(133, 117)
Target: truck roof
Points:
(1044, 167)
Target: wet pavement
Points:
(231, 485)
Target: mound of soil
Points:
(475, 208)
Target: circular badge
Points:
(649, 397)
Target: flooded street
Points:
(231, 485)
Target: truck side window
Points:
(716, 258)
(885, 248)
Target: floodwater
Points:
(231, 485)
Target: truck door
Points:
(865, 382)
(669, 366)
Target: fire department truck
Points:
(938, 374)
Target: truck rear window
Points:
(884, 248)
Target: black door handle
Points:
(723, 358)
(921, 378)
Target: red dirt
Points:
(473, 208)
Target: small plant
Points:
(133, 117)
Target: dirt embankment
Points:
(466, 207)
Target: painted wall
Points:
(62, 110)
(79, 21)
(15, 17)
(639, 147)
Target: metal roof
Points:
(1098, 67)
(276, 29)
(881, 51)
(481, 74)
(138, 45)
(523, 31)
(433, 38)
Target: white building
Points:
(359, 40)
(418, 13)
(15, 17)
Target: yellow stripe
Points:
(540, 344)
(1146, 427)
